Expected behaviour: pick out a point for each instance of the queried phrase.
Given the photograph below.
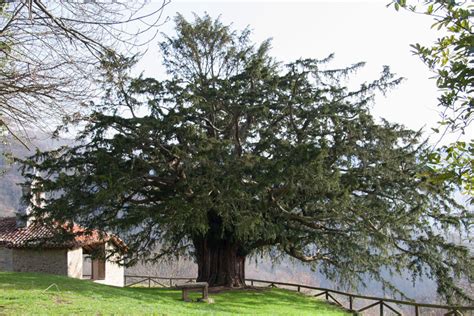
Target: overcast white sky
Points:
(354, 30)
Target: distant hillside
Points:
(10, 191)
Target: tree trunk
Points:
(220, 262)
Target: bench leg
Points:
(185, 296)
(205, 292)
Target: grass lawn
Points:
(24, 293)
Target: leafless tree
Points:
(50, 52)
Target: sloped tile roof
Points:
(42, 236)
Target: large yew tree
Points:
(236, 154)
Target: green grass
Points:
(24, 293)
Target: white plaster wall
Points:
(6, 259)
(74, 263)
(114, 273)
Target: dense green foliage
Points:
(451, 58)
(24, 294)
(454, 164)
(237, 154)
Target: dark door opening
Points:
(98, 269)
(96, 258)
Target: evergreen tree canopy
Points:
(237, 154)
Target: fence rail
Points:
(156, 280)
(381, 302)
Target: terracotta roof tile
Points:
(42, 236)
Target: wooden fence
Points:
(154, 280)
(329, 294)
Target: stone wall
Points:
(58, 261)
(6, 263)
(53, 261)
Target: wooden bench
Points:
(203, 286)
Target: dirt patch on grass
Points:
(58, 300)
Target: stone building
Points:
(30, 247)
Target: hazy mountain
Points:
(10, 177)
